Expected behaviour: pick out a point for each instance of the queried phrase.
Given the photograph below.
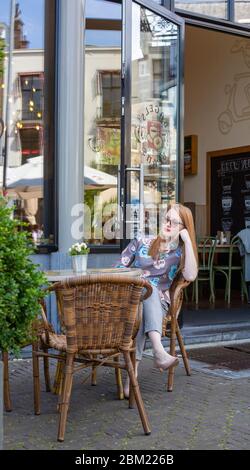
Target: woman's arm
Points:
(190, 269)
(128, 255)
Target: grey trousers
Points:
(152, 316)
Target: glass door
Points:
(152, 127)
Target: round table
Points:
(61, 275)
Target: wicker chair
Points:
(36, 327)
(99, 315)
(171, 329)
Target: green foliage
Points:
(20, 282)
(2, 54)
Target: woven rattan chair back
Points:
(99, 312)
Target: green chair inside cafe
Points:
(230, 266)
(206, 248)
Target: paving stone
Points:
(203, 412)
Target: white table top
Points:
(54, 276)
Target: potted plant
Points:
(79, 253)
(20, 283)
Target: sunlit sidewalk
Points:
(203, 412)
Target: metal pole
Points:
(9, 89)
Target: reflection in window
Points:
(32, 96)
(211, 8)
(110, 90)
(154, 117)
(242, 11)
(31, 141)
(29, 24)
(23, 146)
(102, 138)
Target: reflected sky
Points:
(102, 9)
(105, 10)
(33, 19)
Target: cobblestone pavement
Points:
(203, 412)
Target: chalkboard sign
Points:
(229, 190)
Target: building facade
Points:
(99, 127)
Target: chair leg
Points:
(131, 393)
(60, 385)
(196, 292)
(137, 393)
(243, 288)
(6, 387)
(36, 378)
(193, 291)
(172, 352)
(183, 350)
(211, 282)
(226, 287)
(229, 287)
(94, 376)
(186, 295)
(119, 384)
(66, 393)
(58, 376)
(94, 373)
(46, 372)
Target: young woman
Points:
(161, 258)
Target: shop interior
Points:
(216, 124)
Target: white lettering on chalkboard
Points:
(232, 166)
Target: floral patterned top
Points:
(161, 272)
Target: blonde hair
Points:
(186, 217)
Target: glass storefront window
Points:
(22, 111)
(102, 134)
(213, 8)
(242, 11)
(154, 115)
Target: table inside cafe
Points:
(220, 248)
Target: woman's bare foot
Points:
(164, 361)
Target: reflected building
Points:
(22, 148)
(97, 112)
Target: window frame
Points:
(50, 186)
(228, 25)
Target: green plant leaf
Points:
(21, 282)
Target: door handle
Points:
(140, 170)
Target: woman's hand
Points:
(190, 269)
(184, 235)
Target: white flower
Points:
(78, 248)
